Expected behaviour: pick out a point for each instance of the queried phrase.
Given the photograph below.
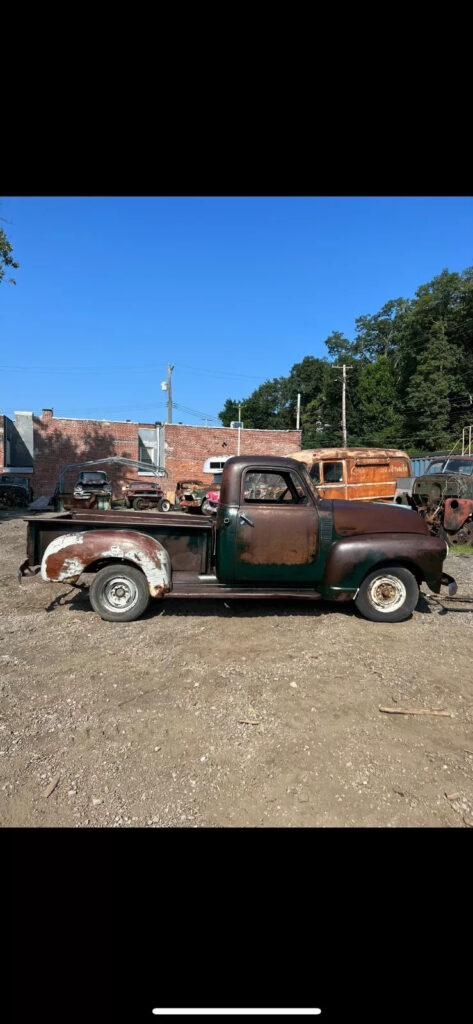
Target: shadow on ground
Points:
(77, 600)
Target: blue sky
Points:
(232, 291)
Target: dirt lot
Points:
(201, 714)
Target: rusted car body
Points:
(356, 474)
(143, 495)
(14, 490)
(210, 504)
(443, 496)
(92, 489)
(285, 542)
(190, 495)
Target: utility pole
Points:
(169, 390)
(239, 428)
(344, 410)
(344, 391)
(298, 415)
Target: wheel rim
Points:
(165, 506)
(387, 593)
(120, 594)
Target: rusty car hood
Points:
(435, 486)
(357, 517)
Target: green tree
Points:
(338, 346)
(428, 393)
(380, 335)
(410, 381)
(6, 258)
(264, 409)
(381, 418)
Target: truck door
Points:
(276, 537)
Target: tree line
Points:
(409, 384)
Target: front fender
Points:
(457, 511)
(68, 556)
(350, 560)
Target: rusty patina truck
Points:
(273, 536)
(443, 496)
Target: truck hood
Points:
(357, 517)
(435, 486)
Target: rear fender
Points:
(68, 556)
(351, 559)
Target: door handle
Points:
(246, 519)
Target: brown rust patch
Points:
(457, 511)
(356, 517)
(279, 536)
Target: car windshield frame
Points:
(464, 467)
(99, 477)
(307, 480)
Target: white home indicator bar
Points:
(240, 1011)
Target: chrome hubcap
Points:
(120, 594)
(387, 593)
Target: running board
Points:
(210, 587)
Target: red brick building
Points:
(45, 444)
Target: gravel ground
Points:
(201, 714)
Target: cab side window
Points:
(315, 472)
(333, 472)
(273, 488)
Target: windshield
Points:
(93, 478)
(464, 466)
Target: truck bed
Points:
(189, 539)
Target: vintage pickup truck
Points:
(273, 536)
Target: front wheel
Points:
(389, 594)
(164, 505)
(119, 593)
(206, 508)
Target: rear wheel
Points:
(119, 593)
(164, 505)
(463, 536)
(388, 594)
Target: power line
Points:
(120, 368)
(195, 412)
(221, 373)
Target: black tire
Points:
(388, 594)
(164, 505)
(105, 594)
(139, 504)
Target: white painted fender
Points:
(68, 556)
